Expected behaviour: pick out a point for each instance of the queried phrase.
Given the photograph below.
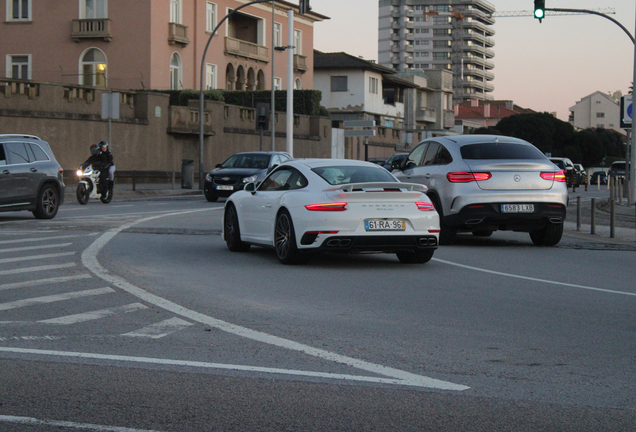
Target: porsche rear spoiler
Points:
(379, 187)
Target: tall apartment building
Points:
(455, 35)
(153, 44)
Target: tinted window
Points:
(283, 179)
(415, 157)
(3, 159)
(500, 151)
(618, 166)
(40, 155)
(443, 156)
(247, 160)
(17, 153)
(431, 152)
(337, 175)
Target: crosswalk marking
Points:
(54, 298)
(94, 315)
(28, 248)
(36, 269)
(160, 329)
(37, 239)
(35, 257)
(37, 282)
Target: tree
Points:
(546, 132)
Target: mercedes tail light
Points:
(554, 176)
(424, 206)
(334, 206)
(467, 177)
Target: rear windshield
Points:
(500, 151)
(618, 166)
(247, 160)
(337, 175)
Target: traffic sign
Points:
(360, 133)
(627, 109)
(359, 123)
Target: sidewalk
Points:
(123, 191)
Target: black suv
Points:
(30, 177)
(568, 169)
(240, 169)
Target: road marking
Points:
(35, 257)
(36, 269)
(89, 259)
(30, 338)
(54, 298)
(94, 315)
(86, 426)
(160, 329)
(205, 365)
(47, 238)
(534, 279)
(28, 248)
(46, 281)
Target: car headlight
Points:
(250, 179)
(208, 178)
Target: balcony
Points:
(98, 28)
(300, 63)
(427, 115)
(245, 49)
(178, 33)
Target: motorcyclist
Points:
(102, 159)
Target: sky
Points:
(547, 66)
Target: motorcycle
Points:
(89, 186)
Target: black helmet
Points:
(103, 143)
(94, 149)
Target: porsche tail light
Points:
(554, 176)
(424, 206)
(334, 206)
(467, 177)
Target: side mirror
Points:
(218, 166)
(251, 187)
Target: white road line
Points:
(47, 281)
(28, 248)
(35, 257)
(89, 259)
(54, 298)
(36, 269)
(94, 315)
(54, 423)
(545, 281)
(196, 364)
(47, 238)
(161, 329)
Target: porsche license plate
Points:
(225, 188)
(517, 208)
(385, 224)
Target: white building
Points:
(597, 110)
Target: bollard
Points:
(173, 179)
(134, 180)
(578, 213)
(612, 218)
(619, 185)
(593, 219)
(629, 193)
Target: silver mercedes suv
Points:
(30, 177)
(484, 183)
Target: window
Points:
(278, 83)
(210, 17)
(278, 34)
(374, 85)
(175, 72)
(441, 56)
(298, 85)
(18, 10)
(175, 11)
(298, 42)
(93, 68)
(284, 179)
(600, 115)
(339, 84)
(93, 9)
(210, 76)
(18, 66)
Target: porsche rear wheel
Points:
(285, 240)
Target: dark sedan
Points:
(238, 170)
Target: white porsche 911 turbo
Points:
(310, 206)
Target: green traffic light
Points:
(539, 13)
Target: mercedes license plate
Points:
(385, 225)
(517, 208)
(225, 188)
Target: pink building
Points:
(154, 44)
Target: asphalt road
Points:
(134, 316)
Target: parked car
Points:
(395, 161)
(484, 183)
(567, 167)
(238, 170)
(618, 169)
(378, 161)
(581, 174)
(309, 206)
(30, 177)
(598, 177)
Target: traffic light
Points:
(304, 7)
(539, 9)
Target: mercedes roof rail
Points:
(20, 136)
